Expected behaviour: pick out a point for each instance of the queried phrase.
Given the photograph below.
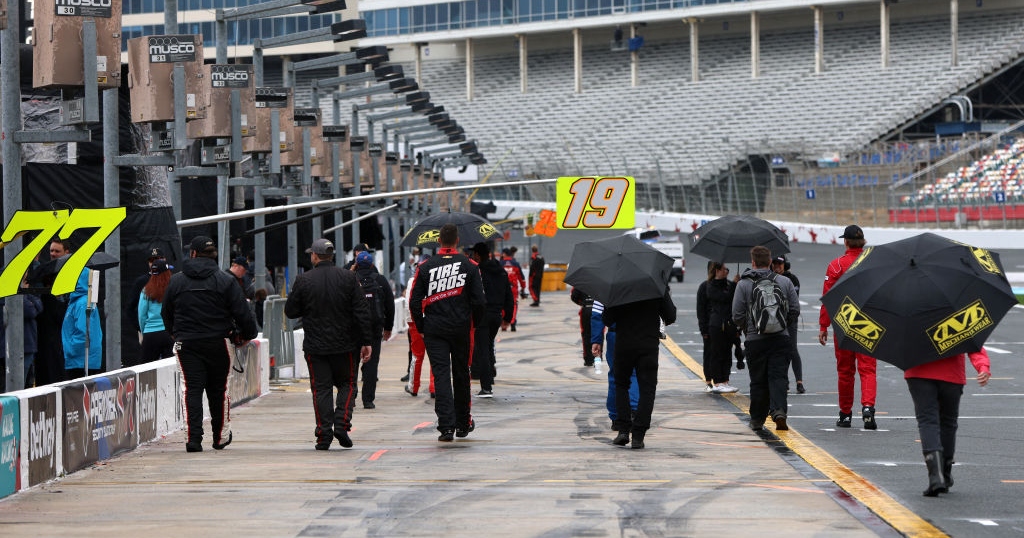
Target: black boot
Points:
(947, 471)
(936, 481)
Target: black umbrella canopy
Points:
(473, 229)
(619, 270)
(729, 239)
(919, 299)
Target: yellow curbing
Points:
(888, 509)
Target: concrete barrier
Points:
(50, 431)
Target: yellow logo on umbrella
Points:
(858, 326)
(487, 230)
(961, 326)
(429, 236)
(863, 255)
(986, 260)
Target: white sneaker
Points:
(709, 388)
(725, 388)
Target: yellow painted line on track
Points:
(887, 508)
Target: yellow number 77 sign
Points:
(596, 202)
(61, 223)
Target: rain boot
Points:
(936, 481)
(947, 471)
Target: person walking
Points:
(781, 266)
(156, 341)
(417, 351)
(586, 304)
(936, 388)
(381, 304)
(638, 334)
(516, 280)
(50, 354)
(338, 336)
(849, 363)
(536, 274)
(205, 312)
(602, 342)
(767, 353)
(497, 316)
(447, 300)
(714, 318)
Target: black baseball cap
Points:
(482, 249)
(779, 259)
(202, 243)
(852, 232)
(156, 253)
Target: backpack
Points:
(768, 306)
(374, 299)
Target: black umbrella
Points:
(473, 229)
(619, 270)
(45, 272)
(919, 299)
(729, 239)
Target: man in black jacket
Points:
(447, 300)
(536, 274)
(381, 303)
(336, 323)
(204, 307)
(497, 315)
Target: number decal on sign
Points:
(61, 224)
(598, 203)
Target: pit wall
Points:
(51, 431)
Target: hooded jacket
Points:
(497, 289)
(741, 301)
(73, 331)
(202, 301)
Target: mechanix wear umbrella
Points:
(919, 299)
(619, 270)
(473, 229)
(729, 239)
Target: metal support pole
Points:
(694, 50)
(112, 246)
(755, 44)
(10, 88)
(954, 32)
(634, 61)
(92, 98)
(577, 60)
(523, 63)
(884, 30)
(170, 16)
(293, 241)
(357, 188)
(819, 40)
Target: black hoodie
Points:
(204, 302)
(497, 290)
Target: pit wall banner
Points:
(100, 418)
(47, 432)
(10, 455)
(41, 447)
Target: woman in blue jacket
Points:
(156, 341)
(73, 332)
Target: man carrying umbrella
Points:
(768, 348)
(849, 363)
(447, 300)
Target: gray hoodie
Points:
(741, 301)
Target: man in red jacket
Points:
(849, 363)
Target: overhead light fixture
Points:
(377, 53)
(403, 85)
(417, 97)
(388, 72)
(438, 118)
(467, 147)
(348, 30)
(326, 6)
(456, 138)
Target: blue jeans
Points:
(634, 388)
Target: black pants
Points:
(586, 334)
(205, 364)
(369, 369)
(798, 364)
(768, 363)
(325, 373)
(643, 361)
(937, 407)
(483, 363)
(718, 355)
(155, 346)
(449, 361)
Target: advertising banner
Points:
(147, 405)
(10, 454)
(42, 417)
(99, 419)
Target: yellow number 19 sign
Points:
(596, 202)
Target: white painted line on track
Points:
(985, 522)
(1001, 351)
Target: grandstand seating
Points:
(1001, 171)
(692, 131)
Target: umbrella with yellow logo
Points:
(919, 299)
(473, 229)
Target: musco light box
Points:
(223, 79)
(268, 98)
(57, 48)
(151, 61)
